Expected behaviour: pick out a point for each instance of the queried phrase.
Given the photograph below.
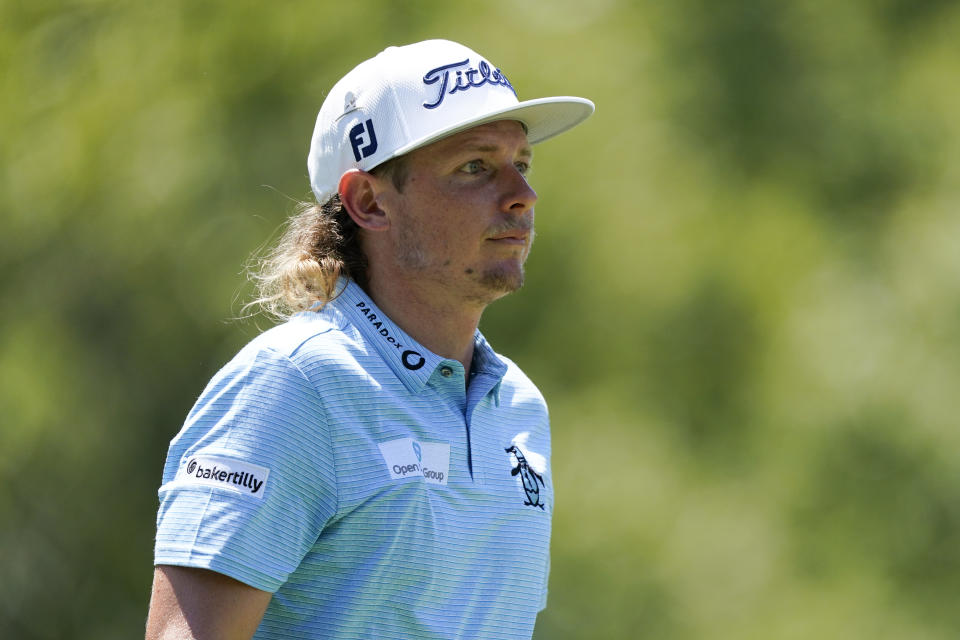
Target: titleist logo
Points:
(459, 79)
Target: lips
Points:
(516, 232)
(518, 236)
(512, 231)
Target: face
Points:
(462, 225)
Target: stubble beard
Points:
(501, 281)
(491, 284)
(410, 254)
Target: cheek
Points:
(440, 235)
(450, 221)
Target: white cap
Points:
(407, 97)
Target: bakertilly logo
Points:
(411, 359)
(223, 472)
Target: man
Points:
(371, 468)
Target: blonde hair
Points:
(319, 245)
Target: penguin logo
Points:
(532, 481)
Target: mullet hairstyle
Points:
(320, 244)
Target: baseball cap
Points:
(407, 97)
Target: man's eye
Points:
(474, 166)
(522, 167)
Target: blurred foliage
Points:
(742, 305)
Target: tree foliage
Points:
(742, 304)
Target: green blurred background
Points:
(742, 305)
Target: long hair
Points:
(319, 245)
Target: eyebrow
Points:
(525, 152)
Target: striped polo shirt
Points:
(343, 467)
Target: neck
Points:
(445, 327)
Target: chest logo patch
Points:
(406, 457)
(530, 467)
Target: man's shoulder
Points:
(311, 341)
(300, 331)
(518, 384)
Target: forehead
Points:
(508, 136)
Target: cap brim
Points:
(543, 119)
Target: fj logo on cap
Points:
(357, 139)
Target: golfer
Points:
(371, 467)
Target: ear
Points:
(360, 193)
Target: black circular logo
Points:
(191, 467)
(416, 364)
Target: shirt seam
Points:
(326, 420)
(299, 346)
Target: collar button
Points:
(446, 372)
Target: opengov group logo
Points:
(406, 457)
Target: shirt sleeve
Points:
(250, 481)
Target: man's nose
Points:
(518, 196)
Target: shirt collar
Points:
(412, 363)
(409, 360)
(486, 362)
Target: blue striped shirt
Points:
(346, 469)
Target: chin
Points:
(502, 281)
